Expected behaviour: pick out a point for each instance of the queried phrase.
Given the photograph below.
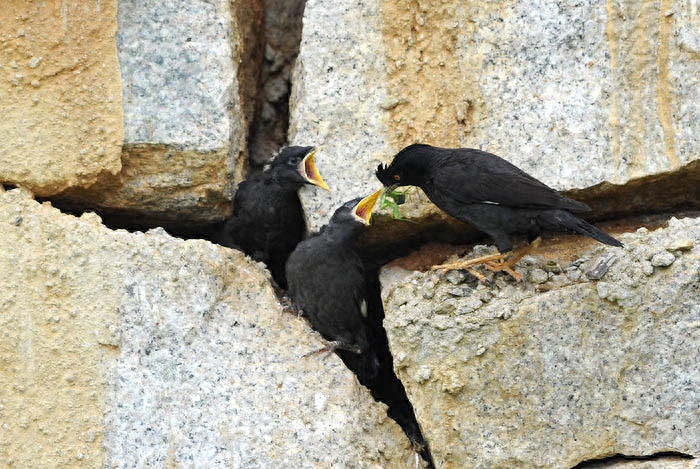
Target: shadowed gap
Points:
(610, 461)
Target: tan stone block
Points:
(59, 322)
(60, 91)
(516, 375)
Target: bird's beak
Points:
(391, 187)
(363, 209)
(308, 170)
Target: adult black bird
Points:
(327, 283)
(268, 220)
(489, 193)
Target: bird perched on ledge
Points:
(268, 221)
(327, 283)
(489, 193)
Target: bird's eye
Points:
(397, 177)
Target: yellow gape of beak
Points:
(363, 209)
(308, 170)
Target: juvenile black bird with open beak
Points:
(327, 283)
(489, 193)
(268, 220)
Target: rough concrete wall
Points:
(169, 142)
(60, 323)
(186, 110)
(132, 349)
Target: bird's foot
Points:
(507, 266)
(288, 306)
(331, 346)
(496, 262)
(418, 448)
(504, 266)
(469, 264)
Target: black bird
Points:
(489, 193)
(327, 283)
(268, 220)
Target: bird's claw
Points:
(288, 306)
(504, 267)
(331, 346)
(494, 262)
(469, 264)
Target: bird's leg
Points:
(470, 263)
(494, 262)
(502, 265)
(417, 450)
(331, 346)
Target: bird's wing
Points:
(478, 176)
(241, 200)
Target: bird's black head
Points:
(408, 168)
(356, 211)
(296, 165)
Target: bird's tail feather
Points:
(580, 226)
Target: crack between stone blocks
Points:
(282, 39)
(613, 459)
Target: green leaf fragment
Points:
(392, 199)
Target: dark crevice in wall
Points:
(675, 191)
(667, 193)
(282, 36)
(610, 461)
(386, 387)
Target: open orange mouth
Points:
(363, 209)
(310, 172)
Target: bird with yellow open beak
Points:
(307, 169)
(268, 220)
(327, 282)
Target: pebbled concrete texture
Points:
(60, 334)
(592, 357)
(139, 109)
(60, 92)
(139, 349)
(575, 93)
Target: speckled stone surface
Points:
(554, 373)
(60, 94)
(575, 93)
(211, 373)
(599, 91)
(336, 101)
(190, 75)
(128, 350)
(180, 83)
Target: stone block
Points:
(143, 350)
(589, 369)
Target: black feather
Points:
(268, 220)
(487, 192)
(327, 282)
